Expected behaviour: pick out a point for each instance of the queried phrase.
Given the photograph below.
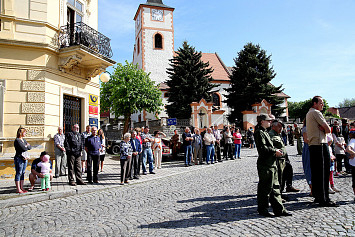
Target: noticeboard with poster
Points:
(94, 122)
(93, 110)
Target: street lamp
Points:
(105, 77)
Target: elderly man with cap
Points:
(268, 187)
(285, 170)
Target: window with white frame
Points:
(75, 11)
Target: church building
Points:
(154, 47)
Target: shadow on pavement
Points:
(222, 209)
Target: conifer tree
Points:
(189, 81)
(250, 83)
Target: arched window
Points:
(216, 99)
(158, 41)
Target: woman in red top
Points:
(237, 143)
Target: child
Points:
(45, 170)
(332, 188)
(351, 151)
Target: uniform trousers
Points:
(269, 190)
(299, 146)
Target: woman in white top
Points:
(157, 148)
(351, 150)
(339, 149)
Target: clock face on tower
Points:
(157, 15)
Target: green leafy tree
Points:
(347, 103)
(129, 91)
(189, 81)
(300, 109)
(250, 83)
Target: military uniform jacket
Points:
(297, 133)
(265, 149)
(278, 143)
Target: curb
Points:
(33, 198)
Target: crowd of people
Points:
(324, 149)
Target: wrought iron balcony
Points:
(82, 34)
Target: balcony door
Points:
(74, 12)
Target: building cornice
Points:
(49, 70)
(43, 23)
(28, 44)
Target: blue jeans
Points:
(237, 150)
(188, 154)
(20, 167)
(147, 153)
(210, 153)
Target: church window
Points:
(216, 99)
(158, 41)
(138, 48)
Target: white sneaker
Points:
(331, 191)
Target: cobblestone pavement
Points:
(214, 200)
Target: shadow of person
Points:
(220, 209)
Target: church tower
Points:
(154, 39)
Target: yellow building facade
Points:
(51, 56)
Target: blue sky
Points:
(312, 43)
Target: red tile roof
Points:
(220, 72)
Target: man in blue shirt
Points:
(147, 151)
(92, 147)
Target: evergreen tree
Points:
(189, 81)
(250, 83)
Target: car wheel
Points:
(116, 149)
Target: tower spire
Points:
(155, 1)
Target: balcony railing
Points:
(82, 34)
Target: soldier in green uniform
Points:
(285, 171)
(268, 187)
(298, 136)
(276, 128)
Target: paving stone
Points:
(218, 200)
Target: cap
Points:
(277, 120)
(262, 117)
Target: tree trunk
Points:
(127, 121)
